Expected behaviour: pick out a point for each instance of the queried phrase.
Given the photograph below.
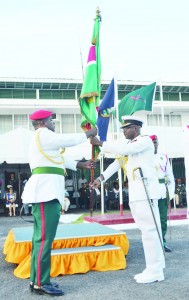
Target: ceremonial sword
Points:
(151, 207)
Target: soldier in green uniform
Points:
(167, 185)
(45, 189)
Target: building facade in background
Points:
(19, 97)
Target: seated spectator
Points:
(116, 191)
(82, 195)
(125, 188)
(10, 201)
(69, 185)
(87, 199)
(13, 182)
(179, 192)
(81, 180)
(112, 202)
(125, 194)
(105, 196)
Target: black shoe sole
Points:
(41, 292)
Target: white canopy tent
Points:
(14, 151)
(170, 140)
(15, 145)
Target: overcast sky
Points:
(140, 40)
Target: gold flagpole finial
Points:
(97, 11)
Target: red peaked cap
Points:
(153, 137)
(40, 114)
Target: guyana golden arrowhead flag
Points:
(90, 93)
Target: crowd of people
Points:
(82, 190)
(78, 194)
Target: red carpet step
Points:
(126, 218)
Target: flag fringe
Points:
(88, 95)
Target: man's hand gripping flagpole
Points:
(151, 207)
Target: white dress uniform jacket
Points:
(46, 187)
(140, 152)
(164, 170)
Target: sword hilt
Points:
(140, 171)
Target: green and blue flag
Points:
(104, 111)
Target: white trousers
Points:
(154, 257)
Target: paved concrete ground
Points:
(115, 285)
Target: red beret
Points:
(40, 114)
(153, 137)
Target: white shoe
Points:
(139, 274)
(148, 278)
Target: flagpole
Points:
(162, 112)
(92, 179)
(102, 184)
(103, 121)
(90, 92)
(118, 137)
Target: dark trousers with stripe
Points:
(46, 217)
(163, 208)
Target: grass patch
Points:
(81, 219)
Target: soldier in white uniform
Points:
(167, 185)
(140, 152)
(45, 189)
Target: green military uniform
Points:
(167, 184)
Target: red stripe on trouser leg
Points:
(42, 243)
